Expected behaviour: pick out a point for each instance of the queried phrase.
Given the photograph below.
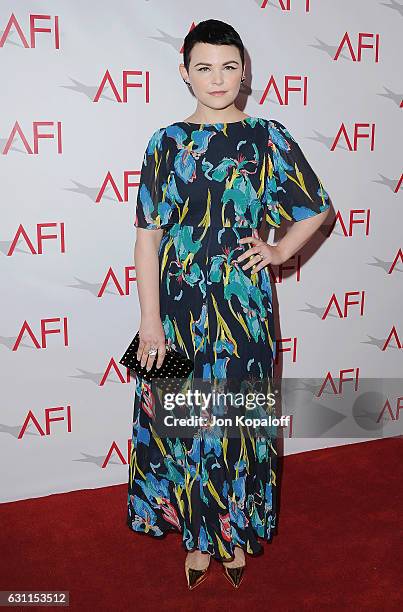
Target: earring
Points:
(242, 80)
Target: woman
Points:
(207, 184)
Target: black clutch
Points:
(175, 365)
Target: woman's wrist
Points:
(282, 253)
(151, 317)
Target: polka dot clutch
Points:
(175, 365)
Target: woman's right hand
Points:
(151, 334)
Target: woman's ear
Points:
(183, 72)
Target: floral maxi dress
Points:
(207, 186)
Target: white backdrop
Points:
(69, 301)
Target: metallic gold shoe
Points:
(195, 576)
(234, 574)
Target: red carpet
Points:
(339, 544)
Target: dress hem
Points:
(254, 553)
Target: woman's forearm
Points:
(299, 234)
(147, 272)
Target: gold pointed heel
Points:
(195, 577)
(234, 574)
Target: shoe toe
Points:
(234, 575)
(195, 576)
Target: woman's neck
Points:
(228, 117)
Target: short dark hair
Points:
(213, 32)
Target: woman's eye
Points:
(206, 68)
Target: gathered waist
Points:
(197, 231)
(210, 240)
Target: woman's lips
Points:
(217, 93)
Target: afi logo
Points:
(348, 45)
(294, 265)
(338, 389)
(43, 332)
(114, 448)
(111, 276)
(285, 5)
(398, 259)
(346, 303)
(36, 23)
(358, 216)
(398, 184)
(393, 335)
(352, 140)
(36, 136)
(286, 345)
(113, 366)
(39, 238)
(31, 418)
(388, 408)
(126, 184)
(107, 79)
(301, 86)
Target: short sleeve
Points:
(293, 190)
(154, 200)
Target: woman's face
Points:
(214, 68)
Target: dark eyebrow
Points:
(224, 64)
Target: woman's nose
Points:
(217, 79)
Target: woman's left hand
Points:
(264, 254)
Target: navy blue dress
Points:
(207, 186)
